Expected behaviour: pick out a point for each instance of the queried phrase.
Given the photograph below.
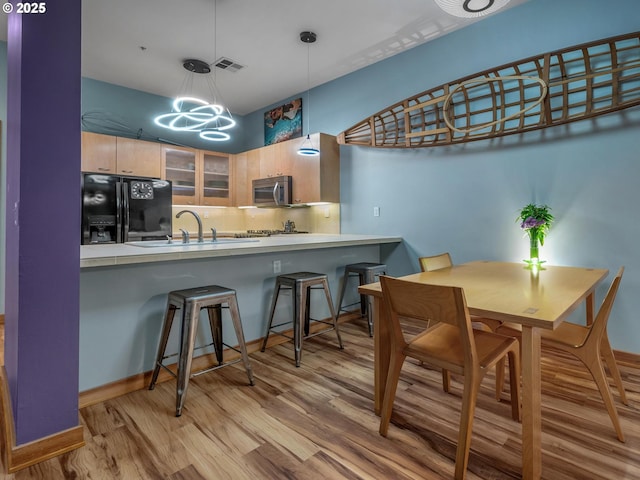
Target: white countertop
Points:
(123, 254)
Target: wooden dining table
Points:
(536, 298)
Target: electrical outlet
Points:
(376, 211)
(327, 213)
(206, 214)
(277, 266)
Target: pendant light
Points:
(307, 148)
(471, 8)
(209, 119)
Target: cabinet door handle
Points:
(103, 169)
(127, 171)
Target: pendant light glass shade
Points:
(471, 8)
(307, 148)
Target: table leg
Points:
(381, 353)
(591, 307)
(531, 408)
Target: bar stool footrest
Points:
(215, 367)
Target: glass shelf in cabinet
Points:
(181, 169)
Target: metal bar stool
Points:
(301, 284)
(191, 301)
(367, 272)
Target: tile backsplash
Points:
(314, 219)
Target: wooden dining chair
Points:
(443, 260)
(590, 345)
(450, 343)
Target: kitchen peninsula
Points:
(123, 290)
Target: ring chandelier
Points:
(191, 114)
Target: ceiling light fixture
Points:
(307, 147)
(208, 119)
(471, 8)
(192, 114)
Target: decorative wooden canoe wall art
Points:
(538, 92)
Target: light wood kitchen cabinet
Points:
(216, 179)
(98, 153)
(181, 167)
(138, 157)
(246, 168)
(197, 177)
(120, 156)
(274, 160)
(315, 179)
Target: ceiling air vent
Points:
(228, 65)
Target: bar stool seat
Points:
(301, 284)
(368, 272)
(191, 301)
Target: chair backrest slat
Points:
(435, 262)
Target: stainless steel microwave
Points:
(272, 191)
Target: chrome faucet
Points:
(195, 214)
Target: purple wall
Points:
(43, 219)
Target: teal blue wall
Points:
(117, 110)
(465, 199)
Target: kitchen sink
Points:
(206, 243)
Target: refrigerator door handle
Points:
(125, 208)
(118, 212)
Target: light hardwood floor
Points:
(317, 422)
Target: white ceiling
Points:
(262, 35)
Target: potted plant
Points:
(535, 220)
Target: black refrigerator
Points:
(118, 209)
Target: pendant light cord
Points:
(307, 147)
(215, 45)
(308, 88)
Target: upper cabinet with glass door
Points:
(181, 167)
(215, 179)
(197, 177)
